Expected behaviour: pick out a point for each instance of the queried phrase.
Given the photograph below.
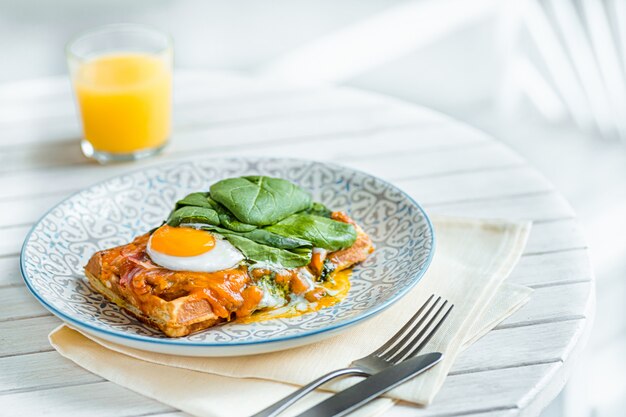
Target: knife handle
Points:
(280, 406)
(363, 392)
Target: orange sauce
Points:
(228, 291)
(337, 286)
(141, 280)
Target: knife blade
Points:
(359, 394)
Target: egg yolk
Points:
(181, 241)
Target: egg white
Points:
(222, 256)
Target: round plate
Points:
(111, 213)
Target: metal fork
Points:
(406, 343)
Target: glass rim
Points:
(117, 27)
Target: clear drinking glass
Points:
(122, 80)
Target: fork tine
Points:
(410, 335)
(411, 350)
(431, 334)
(413, 336)
(398, 343)
(404, 328)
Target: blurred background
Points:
(547, 77)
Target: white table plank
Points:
(555, 303)
(52, 117)
(487, 184)
(542, 343)
(20, 371)
(102, 399)
(23, 373)
(474, 392)
(22, 103)
(413, 164)
(486, 391)
(200, 114)
(298, 127)
(542, 309)
(541, 207)
(555, 236)
(10, 271)
(460, 159)
(565, 267)
(411, 139)
(26, 211)
(17, 304)
(11, 238)
(18, 337)
(170, 414)
(402, 410)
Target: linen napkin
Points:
(473, 257)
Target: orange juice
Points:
(125, 101)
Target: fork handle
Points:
(280, 406)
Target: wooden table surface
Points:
(448, 167)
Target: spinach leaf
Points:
(264, 237)
(194, 199)
(320, 231)
(227, 219)
(319, 209)
(327, 269)
(262, 253)
(260, 200)
(191, 214)
(263, 246)
(236, 208)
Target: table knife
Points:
(359, 394)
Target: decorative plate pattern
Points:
(113, 212)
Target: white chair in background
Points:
(567, 59)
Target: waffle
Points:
(182, 302)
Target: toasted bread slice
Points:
(182, 302)
(175, 318)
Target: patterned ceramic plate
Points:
(113, 212)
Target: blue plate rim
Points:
(175, 341)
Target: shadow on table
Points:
(47, 155)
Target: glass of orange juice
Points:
(122, 79)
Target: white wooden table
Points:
(450, 168)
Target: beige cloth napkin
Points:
(473, 257)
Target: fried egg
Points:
(188, 249)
